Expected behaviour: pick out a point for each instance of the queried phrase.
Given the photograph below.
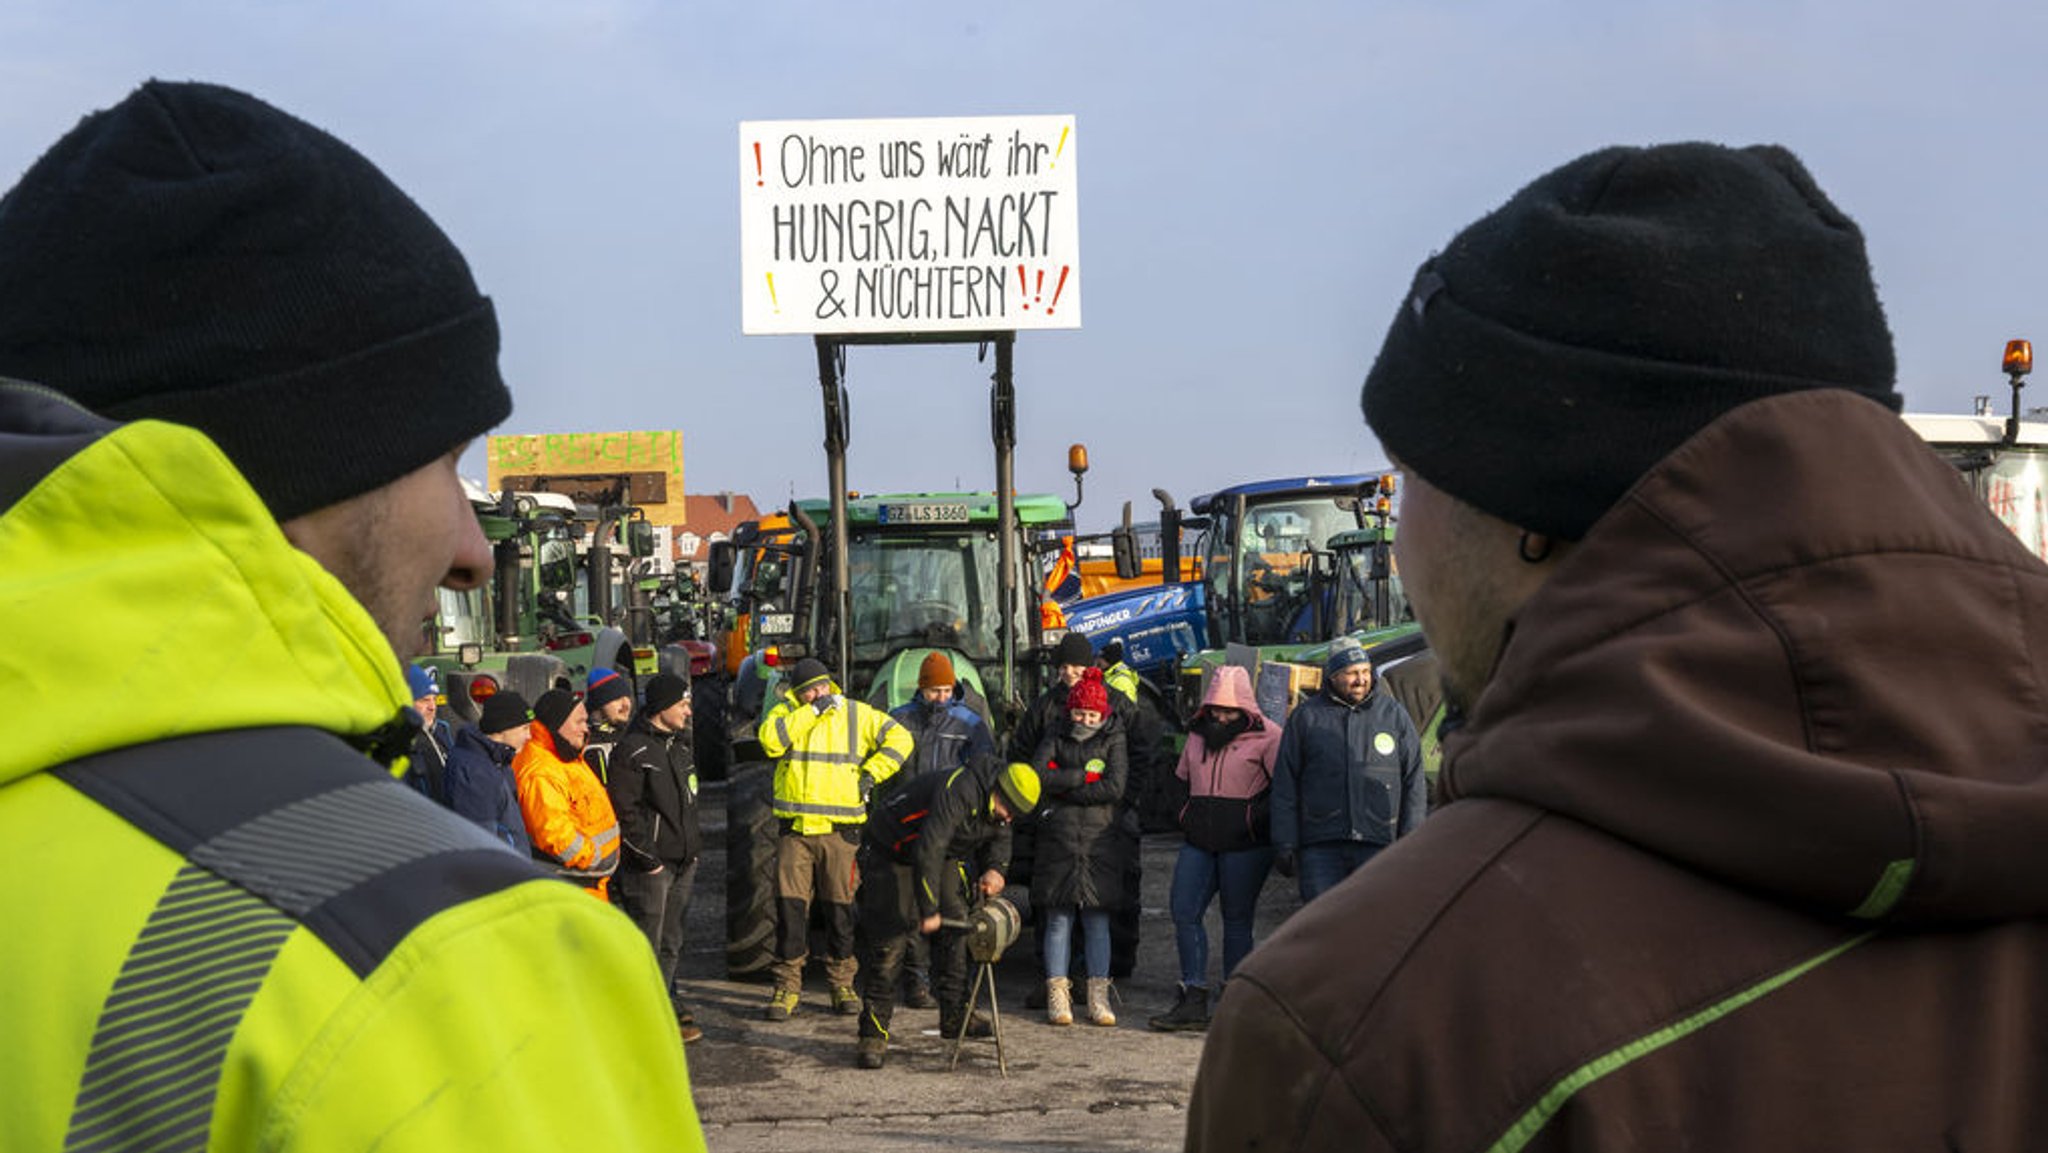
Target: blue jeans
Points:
(1059, 940)
(1320, 867)
(1198, 876)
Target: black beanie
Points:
(554, 707)
(197, 256)
(1559, 347)
(664, 691)
(504, 710)
(1073, 649)
(807, 672)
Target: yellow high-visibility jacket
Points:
(1122, 678)
(357, 969)
(823, 756)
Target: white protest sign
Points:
(918, 225)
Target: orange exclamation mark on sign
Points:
(1057, 289)
(771, 293)
(1040, 293)
(1023, 286)
(757, 164)
(1064, 129)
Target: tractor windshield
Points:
(1358, 600)
(1260, 569)
(2013, 482)
(936, 589)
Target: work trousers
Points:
(889, 923)
(658, 902)
(820, 865)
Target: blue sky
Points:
(1258, 183)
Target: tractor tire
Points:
(750, 839)
(1156, 793)
(1123, 920)
(707, 722)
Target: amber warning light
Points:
(2019, 357)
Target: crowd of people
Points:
(900, 822)
(1741, 801)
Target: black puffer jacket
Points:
(1083, 847)
(653, 786)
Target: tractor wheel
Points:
(707, 721)
(750, 838)
(1156, 793)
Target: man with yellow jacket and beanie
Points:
(830, 752)
(569, 815)
(240, 366)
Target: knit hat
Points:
(1089, 692)
(553, 707)
(606, 686)
(808, 672)
(936, 672)
(664, 691)
(194, 255)
(1020, 786)
(421, 682)
(503, 711)
(1559, 347)
(1345, 653)
(1073, 649)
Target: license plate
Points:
(777, 624)
(923, 512)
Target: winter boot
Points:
(978, 1025)
(782, 1006)
(1059, 1001)
(1190, 1012)
(870, 1052)
(1098, 1002)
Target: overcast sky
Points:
(1257, 184)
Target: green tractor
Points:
(522, 631)
(870, 585)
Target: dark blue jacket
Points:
(1347, 773)
(941, 741)
(480, 788)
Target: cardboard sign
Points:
(959, 224)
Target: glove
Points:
(824, 703)
(1283, 863)
(867, 787)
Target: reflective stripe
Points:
(812, 809)
(1531, 1123)
(892, 754)
(574, 850)
(806, 757)
(782, 730)
(157, 1054)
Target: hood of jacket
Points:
(1230, 687)
(1799, 656)
(146, 593)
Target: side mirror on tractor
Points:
(720, 577)
(1123, 548)
(639, 538)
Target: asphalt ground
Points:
(764, 1086)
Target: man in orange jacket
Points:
(568, 815)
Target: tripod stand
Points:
(991, 927)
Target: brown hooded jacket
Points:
(1746, 848)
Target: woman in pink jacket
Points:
(1228, 765)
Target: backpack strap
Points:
(280, 828)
